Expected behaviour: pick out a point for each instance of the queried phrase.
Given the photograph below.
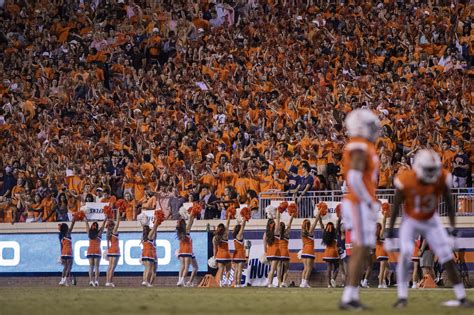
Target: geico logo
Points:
(130, 252)
(10, 261)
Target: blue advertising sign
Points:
(40, 253)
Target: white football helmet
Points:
(427, 166)
(363, 123)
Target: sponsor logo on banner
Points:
(21, 253)
(256, 273)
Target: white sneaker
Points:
(180, 283)
(189, 284)
(305, 285)
(333, 283)
(149, 285)
(62, 282)
(91, 283)
(107, 284)
(283, 285)
(414, 286)
(144, 283)
(112, 285)
(96, 284)
(272, 286)
(364, 283)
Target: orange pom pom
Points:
(283, 206)
(386, 209)
(159, 216)
(293, 210)
(121, 205)
(338, 210)
(79, 215)
(322, 209)
(245, 213)
(231, 212)
(195, 210)
(108, 212)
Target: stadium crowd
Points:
(161, 102)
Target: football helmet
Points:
(363, 123)
(427, 166)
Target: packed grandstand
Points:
(163, 102)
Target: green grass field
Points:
(69, 301)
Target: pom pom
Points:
(283, 206)
(104, 255)
(159, 216)
(293, 210)
(263, 259)
(108, 212)
(322, 209)
(195, 210)
(121, 205)
(245, 213)
(79, 215)
(338, 210)
(143, 219)
(212, 262)
(386, 209)
(299, 254)
(270, 212)
(231, 211)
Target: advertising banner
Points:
(39, 253)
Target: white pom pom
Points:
(212, 262)
(60, 261)
(299, 254)
(270, 212)
(183, 212)
(104, 255)
(176, 253)
(263, 259)
(143, 219)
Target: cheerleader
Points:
(221, 252)
(66, 251)
(271, 245)
(381, 254)
(113, 249)
(239, 257)
(185, 255)
(415, 277)
(284, 265)
(94, 252)
(307, 253)
(149, 258)
(331, 255)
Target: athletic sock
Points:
(347, 295)
(402, 277)
(355, 294)
(459, 291)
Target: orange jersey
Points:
(369, 176)
(308, 246)
(330, 252)
(284, 251)
(66, 247)
(114, 248)
(94, 247)
(186, 246)
(223, 251)
(239, 251)
(273, 250)
(421, 200)
(149, 250)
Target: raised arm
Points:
(241, 232)
(118, 222)
(152, 234)
(71, 228)
(277, 223)
(87, 225)
(190, 224)
(101, 230)
(313, 225)
(226, 234)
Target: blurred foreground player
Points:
(420, 190)
(360, 205)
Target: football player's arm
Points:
(397, 203)
(355, 176)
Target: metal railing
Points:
(463, 199)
